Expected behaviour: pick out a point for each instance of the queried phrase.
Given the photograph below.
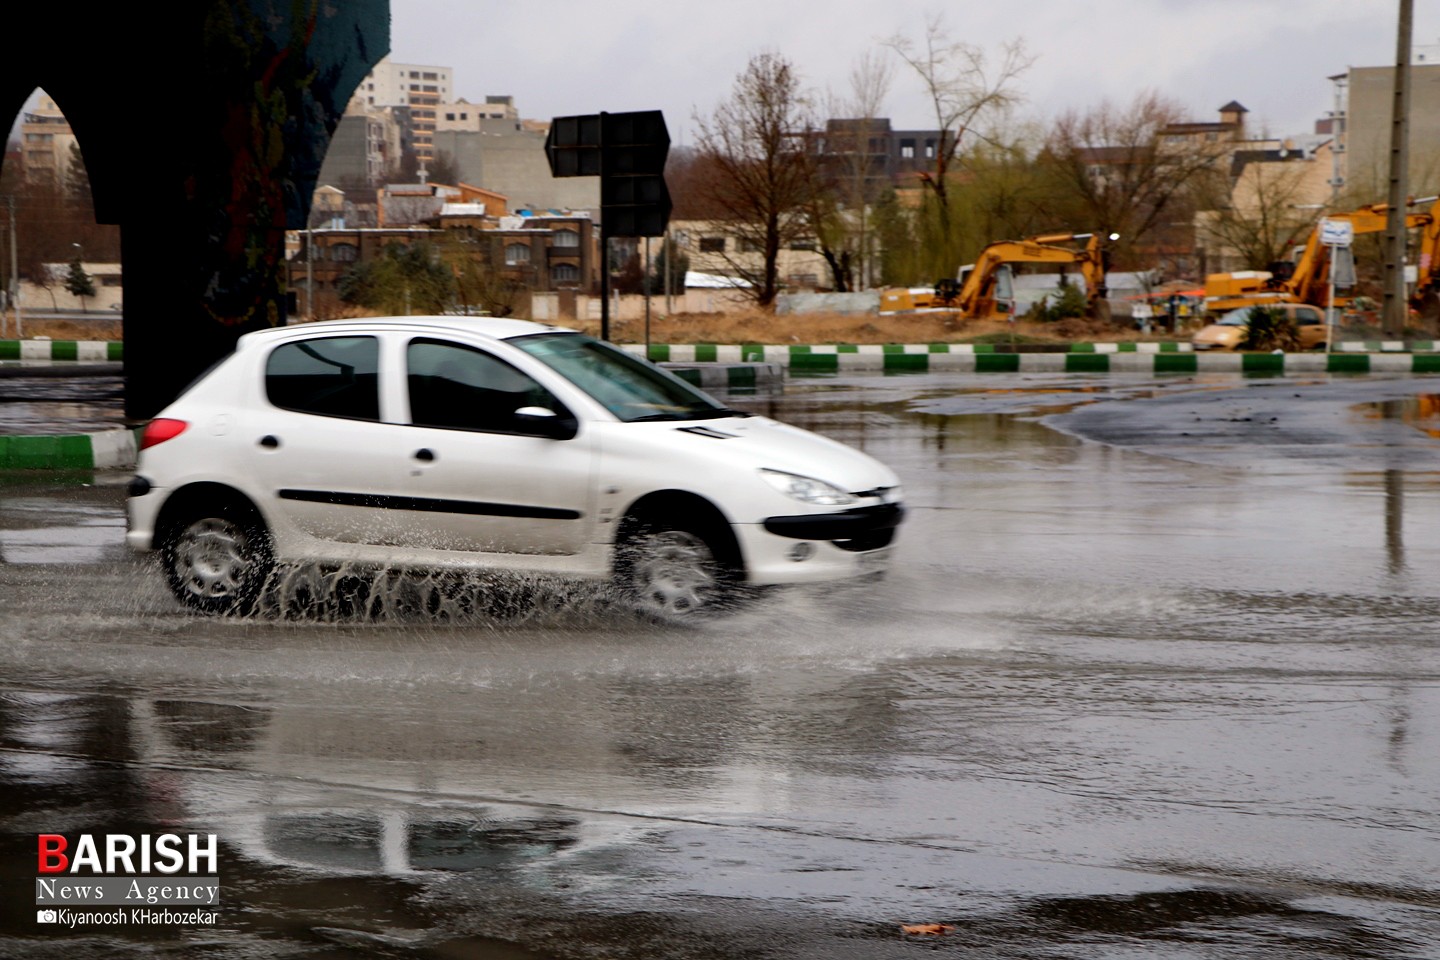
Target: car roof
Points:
(499, 328)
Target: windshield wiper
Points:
(710, 413)
(653, 417)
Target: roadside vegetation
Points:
(1270, 329)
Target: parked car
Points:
(1229, 331)
(491, 443)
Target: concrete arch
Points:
(202, 126)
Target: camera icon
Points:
(46, 916)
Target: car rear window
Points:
(328, 376)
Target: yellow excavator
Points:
(1426, 298)
(984, 290)
(1307, 279)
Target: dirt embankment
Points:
(819, 328)
(756, 326)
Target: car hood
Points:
(759, 442)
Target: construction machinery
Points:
(985, 290)
(1426, 297)
(1307, 278)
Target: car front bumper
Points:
(813, 548)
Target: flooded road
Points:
(1154, 676)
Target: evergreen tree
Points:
(661, 264)
(79, 283)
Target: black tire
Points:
(217, 559)
(677, 572)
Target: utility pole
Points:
(310, 270)
(1339, 120)
(14, 272)
(1396, 309)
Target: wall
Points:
(1368, 130)
(512, 162)
(545, 307)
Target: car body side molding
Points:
(429, 504)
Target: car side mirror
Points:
(544, 422)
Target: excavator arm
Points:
(1309, 281)
(977, 296)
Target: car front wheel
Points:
(676, 574)
(218, 561)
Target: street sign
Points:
(635, 206)
(627, 152)
(1337, 233)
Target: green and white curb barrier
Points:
(798, 355)
(102, 450)
(1146, 358)
(87, 351)
(1386, 346)
(729, 376)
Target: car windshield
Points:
(1239, 317)
(630, 388)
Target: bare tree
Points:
(964, 85)
(754, 147)
(480, 285)
(1116, 170)
(849, 173)
(1260, 217)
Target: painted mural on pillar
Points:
(280, 78)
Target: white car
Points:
(499, 444)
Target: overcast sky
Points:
(581, 56)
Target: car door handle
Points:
(270, 441)
(424, 454)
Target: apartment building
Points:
(1369, 94)
(46, 142)
(415, 93)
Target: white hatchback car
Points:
(501, 444)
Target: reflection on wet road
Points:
(1143, 685)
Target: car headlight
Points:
(807, 489)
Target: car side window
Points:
(1307, 318)
(461, 388)
(327, 376)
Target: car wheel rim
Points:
(674, 574)
(211, 558)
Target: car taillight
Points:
(161, 429)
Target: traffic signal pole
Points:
(604, 241)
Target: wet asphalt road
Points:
(1154, 676)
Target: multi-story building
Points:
(869, 151)
(415, 92)
(472, 117)
(1369, 94)
(546, 253)
(365, 147)
(46, 142)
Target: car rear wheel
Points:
(218, 560)
(676, 574)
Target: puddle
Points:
(1421, 412)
